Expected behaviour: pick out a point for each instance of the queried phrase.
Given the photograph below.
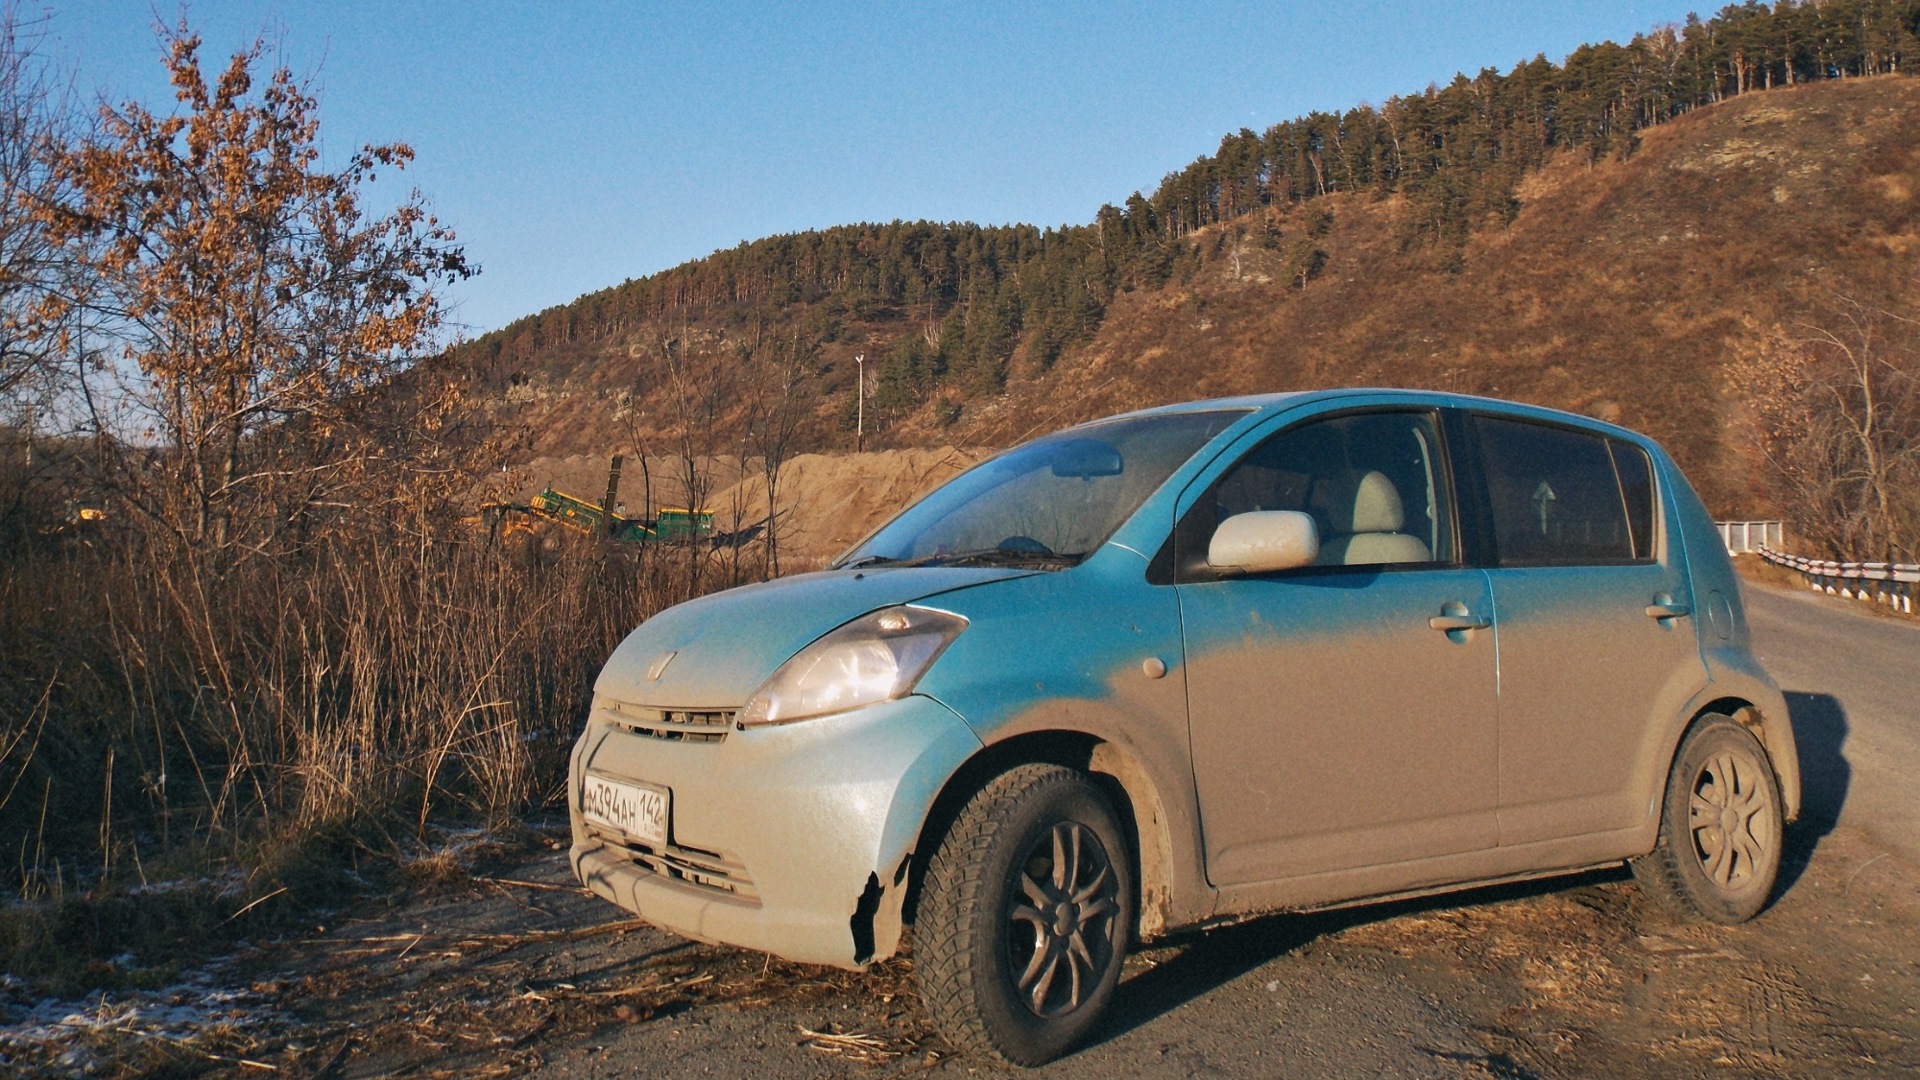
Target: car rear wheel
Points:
(1025, 916)
(1721, 829)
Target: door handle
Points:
(1454, 616)
(1666, 607)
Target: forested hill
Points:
(1600, 234)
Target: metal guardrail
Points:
(1748, 537)
(1893, 584)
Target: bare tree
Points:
(640, 440)
(698, 390)
(251, 291)
(35, 121)
(773, 426)
(1839, 411)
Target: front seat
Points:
(1366, 515)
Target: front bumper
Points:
(791, 839)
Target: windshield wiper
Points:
(997, 556)
(867, 560)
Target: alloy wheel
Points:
(1061, 941)
(1733, 833)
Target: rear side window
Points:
(1636, 490)
(1565, 498)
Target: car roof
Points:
(1279, 402)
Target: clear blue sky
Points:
(574, 145)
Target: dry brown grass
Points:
(278, 731)
(1754, 568)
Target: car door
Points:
(1342, 714)
(1596, 635)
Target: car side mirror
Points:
(1263, 541)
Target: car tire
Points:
(1025, 916)
(1721, 827)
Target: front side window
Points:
(1049, 502)
(1564, 498)
(1372, 482)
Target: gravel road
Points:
(1853, 680)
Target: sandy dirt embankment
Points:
(827, 502)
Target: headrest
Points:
(1357, 502)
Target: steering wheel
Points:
(1024, 545)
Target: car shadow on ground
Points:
(1819, 729)
(1210, 959)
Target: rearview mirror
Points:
(1263, 541)
(1085, 458)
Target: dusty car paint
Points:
(1086, 673)
(1735, 672)
(821, 818)
(725, 644)
(804, 829)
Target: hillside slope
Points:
(1622, 287)
(1622, 290)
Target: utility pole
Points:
(860, 413)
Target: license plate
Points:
(639, 810)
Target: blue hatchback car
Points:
(1190, 665)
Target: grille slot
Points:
(703, 869)
(673, 725)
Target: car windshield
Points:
(1050, 502)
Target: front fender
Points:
(1092, 651)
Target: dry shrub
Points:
(193, 749)
(1838, 411)
(154, 702)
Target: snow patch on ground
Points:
(79, 1037)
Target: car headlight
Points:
(874, 658)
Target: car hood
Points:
(725, 645)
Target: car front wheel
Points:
(1025, 916)
(1721, 829)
